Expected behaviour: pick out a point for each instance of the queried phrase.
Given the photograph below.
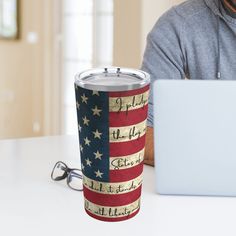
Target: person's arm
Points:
(149, 148)
(163, 59)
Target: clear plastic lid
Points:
(112, 79)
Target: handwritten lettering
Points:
(133, 133)
(101, 211)
(112, 188)
(140, 159)
(129, 103)
(119, 104)
(96, 187)
(118, 163)
(112, 211)
(136, 103)
(116, 134)
(127, 133)
(123, 163)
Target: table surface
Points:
(32, 204)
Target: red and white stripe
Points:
(120, 149)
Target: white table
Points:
(33, 205)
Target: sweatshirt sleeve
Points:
(163, 56)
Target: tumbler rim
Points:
(84, 79)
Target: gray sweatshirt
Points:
(194, 40)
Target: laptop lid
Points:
(195, 137)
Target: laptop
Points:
(195, 137)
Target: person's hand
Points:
(149, 148)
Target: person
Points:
(194, 40)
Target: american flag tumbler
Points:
(112, 105)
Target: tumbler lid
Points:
(112, 79)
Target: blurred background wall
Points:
(57, 39)
(21, 72)
(133, 19)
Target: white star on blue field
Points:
(93, 126)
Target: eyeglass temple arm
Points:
(76, 174)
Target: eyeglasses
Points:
(73, 176)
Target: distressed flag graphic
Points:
(112, 128)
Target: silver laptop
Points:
(195, 137)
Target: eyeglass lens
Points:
(74, 180)
(59, 171)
